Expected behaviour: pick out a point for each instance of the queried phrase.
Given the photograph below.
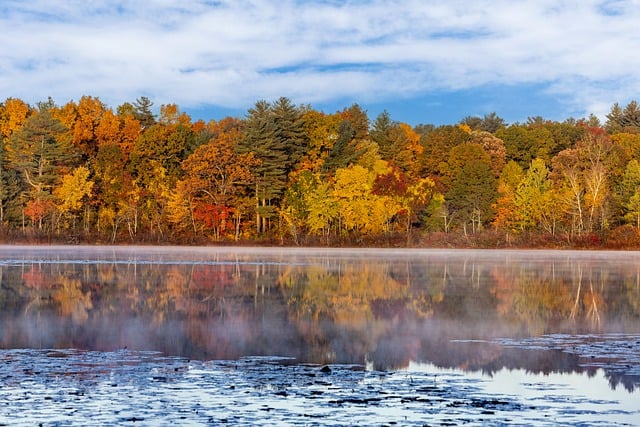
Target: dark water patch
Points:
(146, 388)
(617, 354)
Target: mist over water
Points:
(479, 311)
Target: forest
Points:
(289, 174)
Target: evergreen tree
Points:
(142, 111)
(623, 120)
(9, 183)
(41, 153)
(345, 150)
(270, 174)
(631, 118)
(380, 134)
(489, 122)
(289, 131)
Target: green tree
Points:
(471, 182)
(488, 123)
(625, 119)
(346, 151)
(9, 183)
(381, 134)
(41, 153)
(625, 189)
(473, 194)
(271, 174)
(290, 131)
(524, 143)
(141, 110)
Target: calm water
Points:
(554, 331)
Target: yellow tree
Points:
(360, 208)
(406, 148)
(531, 195)
(416, 199)
(506, 215)
(322, 131)
(72, 193)
(351, 190)
(585, 171)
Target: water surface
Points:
(413, 336)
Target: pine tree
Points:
(289, 131)
(142, 111)
(41, 153)
(380, 133)
(270, 174)
(345, 150)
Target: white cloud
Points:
(230, 53)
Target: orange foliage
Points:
(12, 116)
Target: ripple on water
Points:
(68, 387)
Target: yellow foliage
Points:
(465, 127)
(73, 188)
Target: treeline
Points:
(290, 174)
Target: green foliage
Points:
(488, 123)
(345, 151)
(472, 194)
(141, 110)
(290, 172)
(524, 143)
(41, 152)
(437, 145)
(623, 120)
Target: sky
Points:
(424, 61)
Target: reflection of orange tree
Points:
(186, 291)
(45, 286)
(72, 300)
(539, 296)
(36, 278)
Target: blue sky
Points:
(425, 61)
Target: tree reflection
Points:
(386, 311)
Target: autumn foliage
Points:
(290, 174)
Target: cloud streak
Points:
(230, 53)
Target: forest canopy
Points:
(290, 174)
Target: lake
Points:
(300, 336)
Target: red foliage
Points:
(38, 209)
(213, 216)
(393, 183)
